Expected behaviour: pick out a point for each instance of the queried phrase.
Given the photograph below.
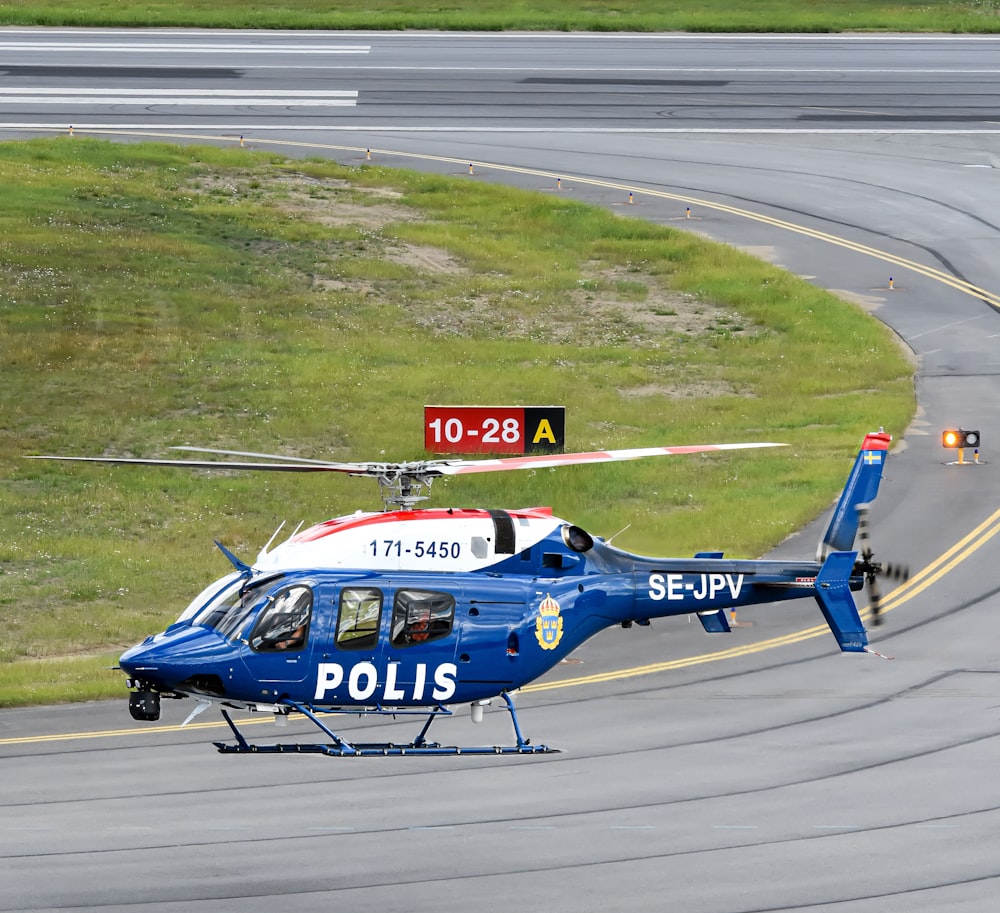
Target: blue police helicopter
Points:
(416, 610)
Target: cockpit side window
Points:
(283, 625)
(420, 616)
(358, 618)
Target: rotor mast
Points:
(401, 489)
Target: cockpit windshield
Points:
(209, 594)
(232, 606)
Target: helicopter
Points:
(416, 610)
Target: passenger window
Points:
(420, 616)
(284, 623)
(358, 618)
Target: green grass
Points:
(153, 296)
(582, 15)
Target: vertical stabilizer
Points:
(861, 488)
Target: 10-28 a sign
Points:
(495, 429)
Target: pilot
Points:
(294, 640)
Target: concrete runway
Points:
(790, 778)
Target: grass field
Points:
(153, 296)
(583, 15)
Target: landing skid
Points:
(340, 748)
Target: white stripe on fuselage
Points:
(433, 540)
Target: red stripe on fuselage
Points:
(340, 524)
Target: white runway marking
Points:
(196, 48)
(203, 97)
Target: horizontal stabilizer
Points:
(714, 622)
(833, 593)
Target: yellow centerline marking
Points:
(899, 596)
(945, 563)
(115, 733)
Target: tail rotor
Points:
(872, 570)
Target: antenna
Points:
(617, 534)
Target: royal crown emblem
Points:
(549, 624)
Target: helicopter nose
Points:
(184, 660)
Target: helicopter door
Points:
(492, 627)
(278, 647)
(419, 654)
(395, 644)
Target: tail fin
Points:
(833, 593)
(861, 488)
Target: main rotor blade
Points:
(546, 461)
(256, 456)
(205, 464)
(418, 469)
